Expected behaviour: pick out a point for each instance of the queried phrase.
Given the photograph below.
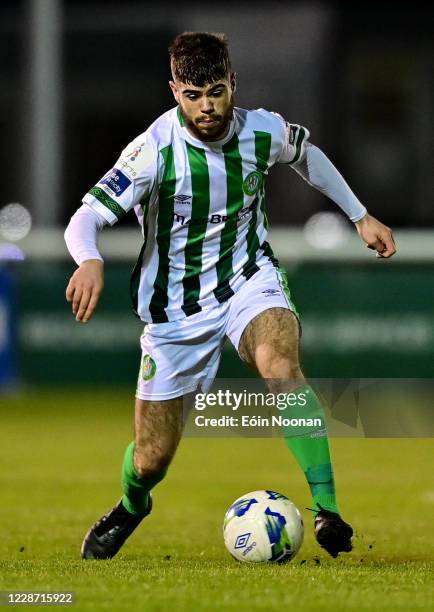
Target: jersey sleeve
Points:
(132, 177)
(294, 140)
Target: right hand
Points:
(84, 289)
(377, 236)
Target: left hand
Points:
(377, 236)
(84, 289)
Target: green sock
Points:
(310, 446)
(136, 489)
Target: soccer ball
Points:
(263, 526)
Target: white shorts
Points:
(182, 356)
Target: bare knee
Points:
(270, 343)
(277, 361)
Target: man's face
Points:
(207, 110)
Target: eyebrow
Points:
(198, 91)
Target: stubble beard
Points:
(215, 133)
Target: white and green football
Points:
(263, 526)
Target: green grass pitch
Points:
(60, 465)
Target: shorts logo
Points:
(252, 183)
(149, 367)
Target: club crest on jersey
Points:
(252, 183)
(149, 367)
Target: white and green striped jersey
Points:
(201, 206)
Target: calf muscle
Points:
(158, 429)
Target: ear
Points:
(175, 91)
(233, 81)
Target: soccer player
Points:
(196, 179)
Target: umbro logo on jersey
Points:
(182, 199)
(270, 292)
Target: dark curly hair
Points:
(199, 57)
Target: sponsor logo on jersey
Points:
(214, 219)
(252, 183)
(268, 293)
(149, 367)
(116, 181)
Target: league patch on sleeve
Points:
(137, 159)
(116, 181)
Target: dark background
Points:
(358, 76)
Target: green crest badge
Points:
(252, 183)
(149, 367)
